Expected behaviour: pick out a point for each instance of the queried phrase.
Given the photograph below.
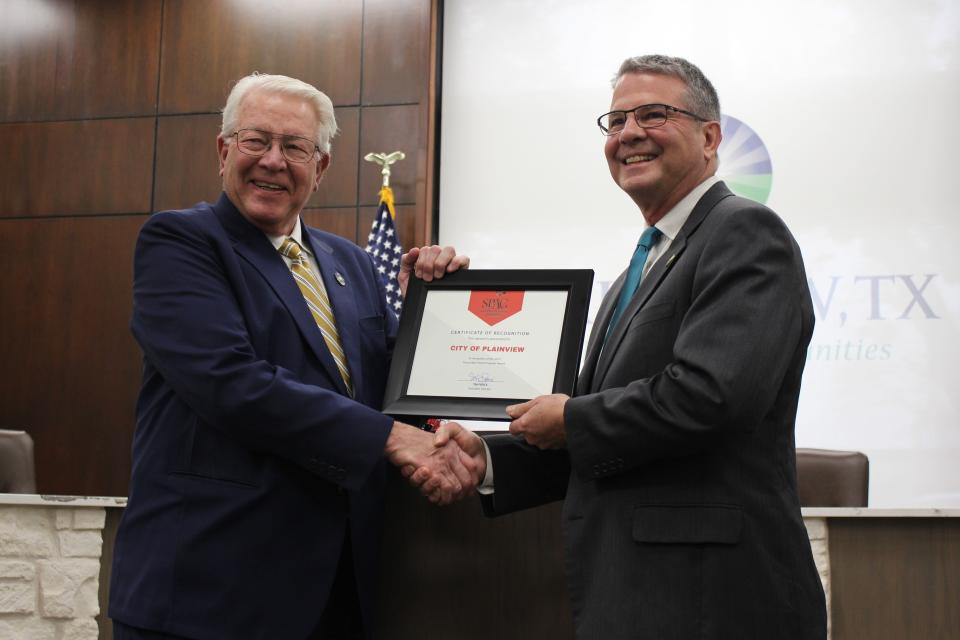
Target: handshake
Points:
(449, 465)
(446, 466)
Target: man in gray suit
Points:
(676, 454)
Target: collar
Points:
(296, 234)
(673, 221)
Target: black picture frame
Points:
(577, 283)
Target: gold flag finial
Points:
(385, 160)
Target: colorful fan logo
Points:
(744, 162)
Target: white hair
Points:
(285, 85)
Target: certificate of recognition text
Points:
(488, 344)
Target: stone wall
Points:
(49, 570)
(819, 543)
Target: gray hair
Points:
(266, 83)
(701, 96)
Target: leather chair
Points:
(16, 462)
(828, 478)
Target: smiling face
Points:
(657, 167)
(268, 190)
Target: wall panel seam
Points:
(74, 216)
(156, 110)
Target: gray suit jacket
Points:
(681, 517)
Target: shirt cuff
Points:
(486, 487)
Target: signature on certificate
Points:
(479, 380)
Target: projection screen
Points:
(840, 115)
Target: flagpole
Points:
(383, 226)
(383, 243)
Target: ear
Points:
(222, 150)
(712, 137)
(321, 169)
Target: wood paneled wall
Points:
(108, 112)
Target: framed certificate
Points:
(476, 341)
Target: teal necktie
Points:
(649, 238)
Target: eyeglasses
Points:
(254, 142)
(649, 116)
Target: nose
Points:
(631, 130)
(273, 158)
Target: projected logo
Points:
(744, 161)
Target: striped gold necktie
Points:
(316, 296)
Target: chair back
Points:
(16, 462)
(828, 478)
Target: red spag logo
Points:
(495, 306)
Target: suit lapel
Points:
(253, 246)
(594, 345)
(648, 285)
(342, 301)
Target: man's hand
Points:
(428, 263)
(453, 473)
(540, 421)
(472, 452)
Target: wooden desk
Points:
(894, 573)
(451, 573)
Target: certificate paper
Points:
(488, 344)
(474, 342)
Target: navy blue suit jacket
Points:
(249, 456)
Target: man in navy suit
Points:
(676, 454)
(259, 455)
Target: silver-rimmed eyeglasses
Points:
(254, 142)
(649, 116)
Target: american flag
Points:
(383, 244)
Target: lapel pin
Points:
(670, 261)
(340, 279)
